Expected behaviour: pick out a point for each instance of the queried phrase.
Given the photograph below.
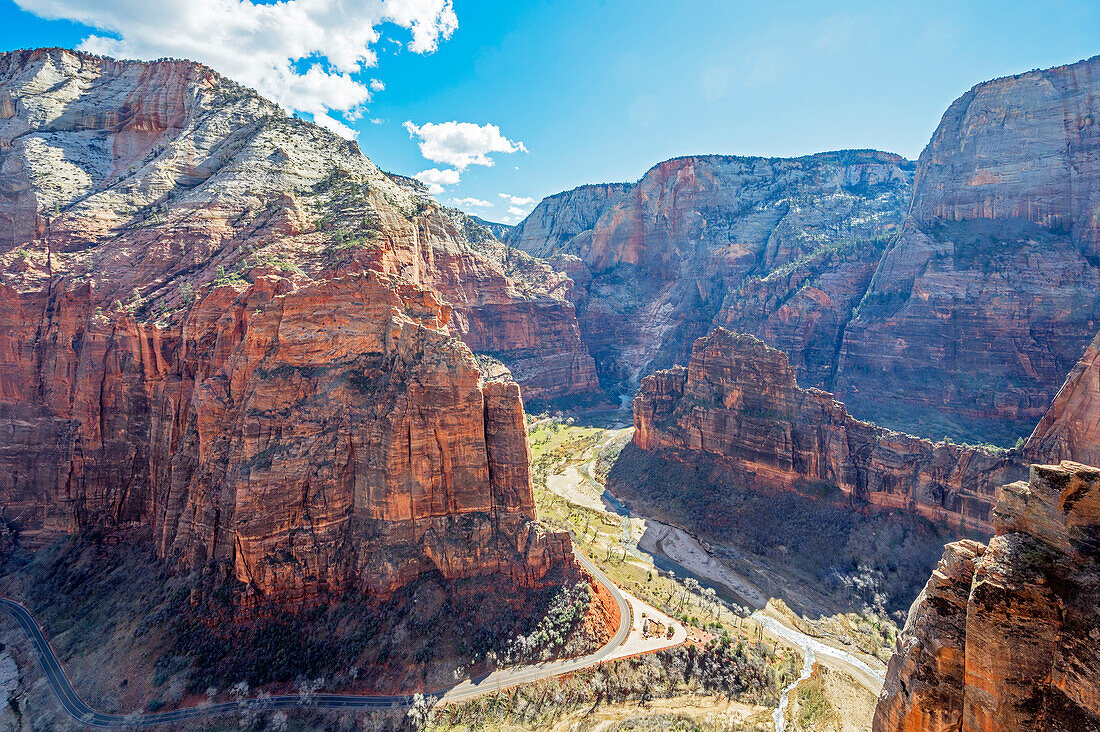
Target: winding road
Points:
(502, 679)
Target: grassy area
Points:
(599, 534)
(556, 442)
(814, 711)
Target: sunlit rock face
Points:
(783, 248)
(1070, 430)
(231, 326)
(992, 292)
(1003, 637)
(738, 403)
(947, 297)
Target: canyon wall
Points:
(780, 247)
(737, 402)
(987, 299)
(553, 225)
(946, 298)
(1070, 430)
(1003, 637)
(229, 325)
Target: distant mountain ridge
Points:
(693, 243)
(951, 273)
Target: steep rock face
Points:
(553, 224)
(1003, 636)
(738, 402)
(1070, 430)
(230, 325)
(514, 307)
(992, 292)
(778, 247)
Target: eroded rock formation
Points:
(1070, 430)
(1003, 637)
(783, 248)
(952, 304)
(230, 325)
(992, 292)
(738, 402)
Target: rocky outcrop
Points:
(737, 402)
(231, 326)
(1003, 637)
(1070, 430)
(988, 298)
(779, 247)
(961, 323)
(553, 225)
(498, 230)
(514, 307)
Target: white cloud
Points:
(377, 121)
(263, 45)
(471, 201)
(517, 211)
(461, 144)
(517, 200)
(335, 125)
(435, 179)
(377, 86)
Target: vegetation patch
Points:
(108, 603)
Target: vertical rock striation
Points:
(991, 293)
(231, 326)
(949, 301)
(779, 247)
(1003, 637)
(1070, 430)
(737, 402)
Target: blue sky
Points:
(596, 90)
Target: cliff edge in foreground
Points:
(1004, 635)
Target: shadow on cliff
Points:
(158, 639)
(814, 548)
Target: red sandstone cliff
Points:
(780, 247)
(1003, 637)
(230, 325)
(952, 303)
(737, 402)
(1070, 430)
(988, 298)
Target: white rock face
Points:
(551, 227)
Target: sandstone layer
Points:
(738, 402)
(990, 295)
(780, 247)
(1070, 430)
(230, 325)
(1003, 637)
(949, 298)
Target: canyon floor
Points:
(686, 596)
(710, 587)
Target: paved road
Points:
(504, 678)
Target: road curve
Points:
(81, 712)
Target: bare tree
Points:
(421, 711)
